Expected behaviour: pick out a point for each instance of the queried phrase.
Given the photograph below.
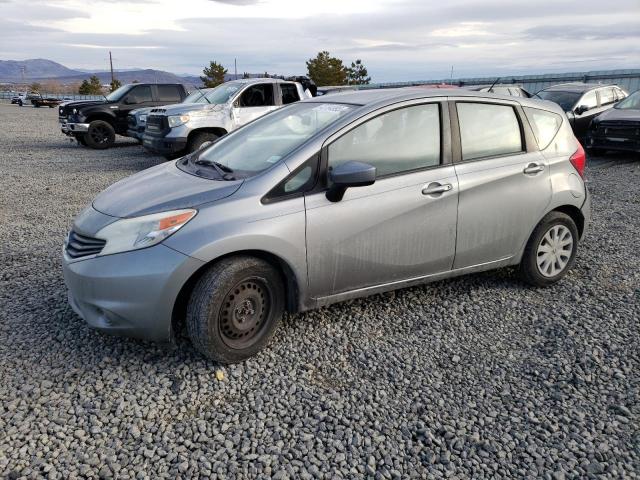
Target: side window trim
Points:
(529, 143)
(445, 136)
(273, 195)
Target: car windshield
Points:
(264, 142)
(118, 93)
(222, 93)
(566, 100)
(197, 96)
(632, 102)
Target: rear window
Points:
(169, 93)
(545, 125)
(488, 130)
(289, 93)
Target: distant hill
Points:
(41, 70)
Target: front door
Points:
(138, 97)
(252, 103)
(504, 190)
(401, 227)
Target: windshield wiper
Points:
(224, 171)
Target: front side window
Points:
(545, 125)
(589, 100)
(258, 96)
(264, 142)
(488, 130)
(139, 94)
(398, 141)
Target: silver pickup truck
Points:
(175, 130)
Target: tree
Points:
(246, 75)
(91, 86)
(35, 87)
(213, 74)
(115, 84)
(326, 70)
(357, 74)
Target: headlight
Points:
(75, 111)
(140, 232)
(177, 120)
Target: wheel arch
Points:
(291, 282)
(575, 214)
(215, 130)
(105, 117)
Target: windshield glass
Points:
(118, 93)
(632, 102)
(266, 141)
(197, 96)
(566, 100)
(222, 93)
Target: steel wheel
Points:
(554, 251)
(244, 312)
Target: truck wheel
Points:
(199, 138)
(550, 251)
(20, 103)
(235, 309)
(100, 135)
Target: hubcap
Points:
(244, 312)
(554, 251)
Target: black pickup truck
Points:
(96, 123)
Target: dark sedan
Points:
(618, 128)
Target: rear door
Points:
(401, 227)
(255, 101)
(503, 180)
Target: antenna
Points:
(235, 68)
(493, 85)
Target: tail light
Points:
(579, 160)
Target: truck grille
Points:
(157, 125)
(625, 130)
(81, 246)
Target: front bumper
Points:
(73, 128)
(621, 143)
(164, 145)
(135, 133)
(130, 294)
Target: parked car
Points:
(137, 119)
(499, 89)
(325, 200)
(617, 128)
(176, 130)
(331, 90)
(582, 102)
(37, 100)
(96, 123)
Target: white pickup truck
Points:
(175, 130)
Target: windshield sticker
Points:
(273, 159)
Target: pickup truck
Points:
(38, 101)
(176, 130)
(96, 123)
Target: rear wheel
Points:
(235, 309)
(551, 250)
(196, 141)
(100, 135)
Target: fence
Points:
(60, 96)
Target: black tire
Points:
(20, 103)
(100, 135)
(529, 269)
(81, 140)
(197, 139)
(235, 309)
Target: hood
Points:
(619, 114)
(139, 111)
(181, 108)
(158, 189)
(82, 103)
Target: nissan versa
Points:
(325, 200)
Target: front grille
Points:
(157, 125)
(81, 246)
(626, 130)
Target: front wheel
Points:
(235, 309)
(550, 251)
(200, 138)
(100, 135)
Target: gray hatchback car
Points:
(326, 200)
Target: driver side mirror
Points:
(349, 174)
(130, 100)
(581, 109)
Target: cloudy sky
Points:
(396, 39)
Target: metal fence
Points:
(60, 96)
(627, 79)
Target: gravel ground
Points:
(475, 377)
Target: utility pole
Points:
(111, 63)
(451, 77)
(235, 68)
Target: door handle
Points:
(533, 168)
(436, 188)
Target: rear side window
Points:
(607, 96)
(289, 93)
(394, 142)
(488, 130)
(589, 99)
(545, 125)
(169, 93)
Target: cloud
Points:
(238, 2)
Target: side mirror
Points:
(349, 174)
(130, 101)
(581, 109)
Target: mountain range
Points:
(39, 69)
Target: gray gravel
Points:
(475, 377)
